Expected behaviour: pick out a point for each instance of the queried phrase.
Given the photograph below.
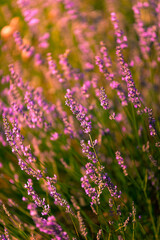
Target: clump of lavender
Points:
(102, 181)
(15, 140)
(59, 177)
(6, 235)
(95, 173)
(49, 225)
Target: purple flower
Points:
(49, 225)
(151, 120)
(86, 150)
(106, 58)
(101, 180)
(15, 140)
(68, 125)
(68, 70)
(27, 49)
(28, 12)
(133, 94)
(53, 69)
(43, 40)
(103, 99)
(54, 136)
(38, 201)
(79, 111)
(147, 35)
(121, 38)
(58, 200)
(81, 224)
(121, 162)
(91, 192)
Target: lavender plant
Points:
(79, 119)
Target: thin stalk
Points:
(135, 125)
(74, 226)
(133, 232)
(109, 236)
(148, 204)
(151, 216)
(94, 149)
(99, 213)
(115, 206)
(16, 224)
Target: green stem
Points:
(133, 232)
(135, 125)
(151, 216)
(18, 225)
(74, 226)
(115, 209)
(109, 236)
(148, 203)
(94, 149)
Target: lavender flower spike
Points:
(121, 162)
(38, 201)
(103, 99)
(79, 111)
(49, 225)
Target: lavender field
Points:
(79, 119)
